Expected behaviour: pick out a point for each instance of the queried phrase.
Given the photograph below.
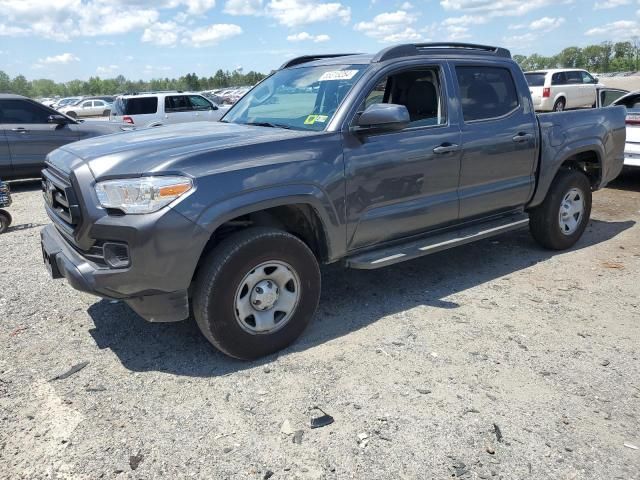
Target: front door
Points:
(499, 134)
(30, 135)
(403, 183)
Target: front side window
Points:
(199, 103)
(300, 98)
(418, 90)
(88, 104)
(586, 78)
(22, 112)
(486, 92)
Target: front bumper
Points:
(155, 285)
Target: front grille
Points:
(60, 198)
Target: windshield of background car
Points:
(535, 79)
(303, 98)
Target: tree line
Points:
(111, 86)
(602, 58)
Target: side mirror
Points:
(383, 117)
(58, 119)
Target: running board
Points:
(437, 243)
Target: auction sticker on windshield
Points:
(338, 75)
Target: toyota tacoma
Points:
(369, 160)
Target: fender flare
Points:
(252, 201)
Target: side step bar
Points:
(428, 245)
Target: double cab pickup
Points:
(369, 160)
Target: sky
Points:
(142, 39)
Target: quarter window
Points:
(486, 92)
(418, 90)
(558, 79)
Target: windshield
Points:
(535, 79)
(304, 98)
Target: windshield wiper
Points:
(269, 124)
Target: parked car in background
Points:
(632, 146)
(559, 89)
(63, 102)
(29, 131)
(162, 108)
(87, 108)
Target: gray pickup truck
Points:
(365, 159)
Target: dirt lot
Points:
(416, 363)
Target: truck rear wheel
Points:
(256, 292)
(559, 222)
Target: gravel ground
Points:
(417, 363)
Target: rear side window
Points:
(536, 79)
(486, 92)
(177, 103)
(22, 111)
(574, 77)
(136, 106)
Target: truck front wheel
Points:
(256, 292)
(559, 222)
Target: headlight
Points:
(142, 195)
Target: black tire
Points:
(72, 115)
(560, 105)
(545, 223)
(219, 279)
(106, 113)
(5, 221)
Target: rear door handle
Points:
(446, 148)
(19, 130)
(523, 137)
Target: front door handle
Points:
(446, 148)
(523, 137)
(19, 130)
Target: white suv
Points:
(155, 109)
(558, 89)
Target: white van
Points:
(155, 109)
(559, 89)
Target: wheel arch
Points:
(585, 156)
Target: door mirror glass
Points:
(383, 117)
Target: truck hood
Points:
(163, 149)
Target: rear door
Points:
(30, 135)
(85, 109)
(498, 138)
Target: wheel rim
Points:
(571, 211)
(267, 297)
(559, 106)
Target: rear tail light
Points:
(127, 119)
(546, 92)
(633, 120)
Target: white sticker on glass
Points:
(338, 75)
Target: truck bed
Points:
(565, 134)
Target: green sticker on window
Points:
(311, 119)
